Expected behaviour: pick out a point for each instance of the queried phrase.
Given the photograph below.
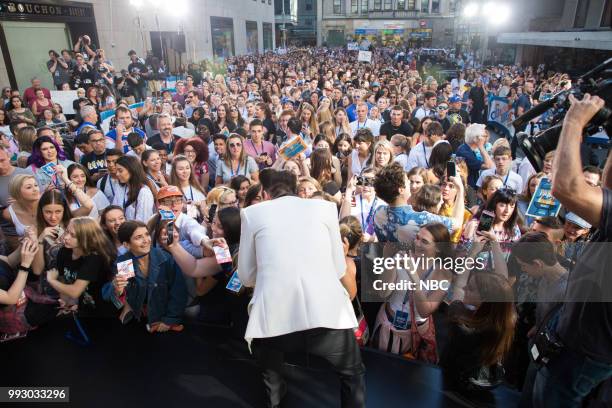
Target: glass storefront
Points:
(222, 37)
(252, 37)
(267, 36)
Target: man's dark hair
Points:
(533, 246)
(134, 140)
(294, 125)
(550, 222)
(218, 136)
(131, 52)
(265, 177)
(397, 108)
(592, 169)
(82, 138)
(93, 132)
(434, 129)
(388, 181)
(255, 122)
(429, 95)
(157, 146)
(283, 183)
(119, 153)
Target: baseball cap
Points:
(168, 191)
(454, 99)
(574, 219)
(375, 84)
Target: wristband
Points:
(25, 269)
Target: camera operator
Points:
(584, 328)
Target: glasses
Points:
(97, 140)
(186, 151)
(232, 203)
(235, 144)
(442, 107)
(507, 190)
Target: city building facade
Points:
(415, 23)
(569, 34)
(180, 32)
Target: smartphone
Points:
(451, 169)
(211, 212)
(170, 232)
(486, 221)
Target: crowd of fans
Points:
(79, 206)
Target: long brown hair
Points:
(495, 317)
(193, 181)
(92, 239)
(321, 163)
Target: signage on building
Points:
(16, 8)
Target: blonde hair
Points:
(17, 183)
(313, 181)
(214, 195)
(500, 142)
(383, 144)
(26, 137)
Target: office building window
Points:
(354, 6)
(388, 4)
(308, 22)
(424, 6)
(309, 5)
(606, 18)
(411, 4)
(581, 13)
(337, 6)
(377, 5)
(401, 4)
(435, 6)
(364, 6)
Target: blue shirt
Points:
(474, 164)
(112, 135)
(401, 224)
(85, 125)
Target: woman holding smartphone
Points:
(134, 196)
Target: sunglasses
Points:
(442, 107)
(235, 144)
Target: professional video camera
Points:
(597, 81)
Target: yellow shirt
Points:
(447, 211)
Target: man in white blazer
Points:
(291, 253)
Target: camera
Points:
(597, 81)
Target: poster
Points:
(352, 46)
(292, 148)
(251, 68)
(500, 113)
(365, 56)
(543, 204)
(65, 99)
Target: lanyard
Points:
(364, 123)
(365, 224)
(157, 183)
(506, 179)
(191, 192)
(425, 155)
(125, 188)
(232, 169)
(110, 179)
(255, 148)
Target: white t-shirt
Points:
(511, 180)
(369, 124)
(142, 209)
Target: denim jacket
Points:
(164, 289)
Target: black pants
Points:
(338, 346)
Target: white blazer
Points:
(291, 252)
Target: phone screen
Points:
(170, 232)
(211, 212)
(486, 221)
(451, 169)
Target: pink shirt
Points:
(255, 150)
(29, 95)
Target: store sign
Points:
(36, 9)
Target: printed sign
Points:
(365, 56)
(126, 269)
(543, 204)
(352, 46)
(292, 148)
(223, 255)
(500, 113)
(234, 283)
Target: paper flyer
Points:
(292, 148)
(543, 204)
